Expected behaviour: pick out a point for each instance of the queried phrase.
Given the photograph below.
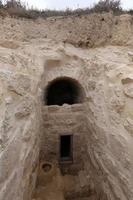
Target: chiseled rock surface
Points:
(19, 126)
(108, 114)
(29, 62)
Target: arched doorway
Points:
(64, 91)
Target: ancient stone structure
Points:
(66, 108)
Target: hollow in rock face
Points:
(46, 167)
(63, 91)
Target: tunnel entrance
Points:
(66, 148)
(63, 91)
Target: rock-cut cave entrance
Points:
(64, 91)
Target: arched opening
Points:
(64, 91)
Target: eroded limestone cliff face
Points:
(84, 31)
(32, 54)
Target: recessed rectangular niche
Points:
(66, 153)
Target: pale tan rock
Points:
(130, 54)
(128, 79)
(25, 108)
(128, 90)
(20, 84)
(128, 124)
(101, 124)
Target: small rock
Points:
(128, 90)
(8, 100)
(127, 80)
(130, 54)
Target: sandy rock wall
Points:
(19, 126)
(59, 121)
(109, 119)
(106, 76)
(83, 31)
(32, 54)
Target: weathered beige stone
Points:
(101, 122)
(128, 90)
(130, 54)
(24, 108)
(20, 84)
(128, 124)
